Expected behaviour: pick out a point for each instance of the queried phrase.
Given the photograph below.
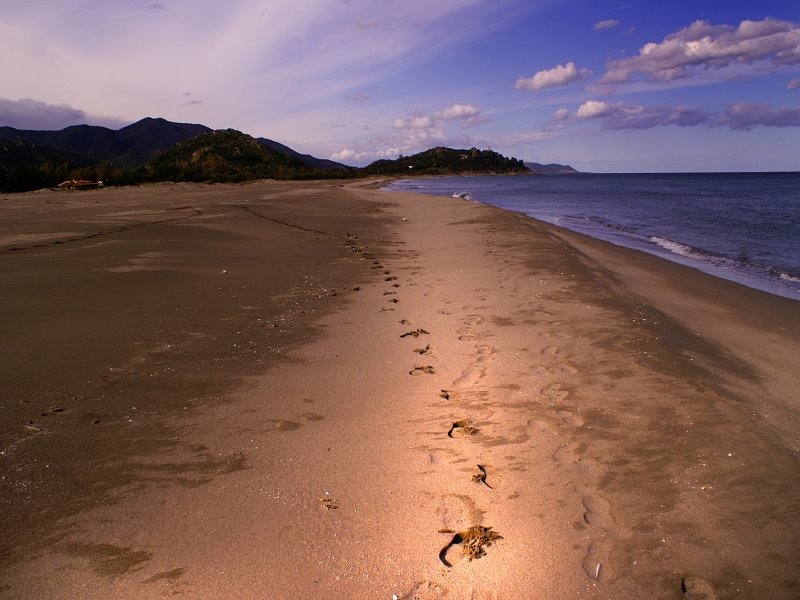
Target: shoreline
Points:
(771, 286)
(627, 425)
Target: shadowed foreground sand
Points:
(308, 390)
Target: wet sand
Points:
(292, 390)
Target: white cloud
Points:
(794, 84)
(459, 111)
(557, 76)
(469, 114)
(562, 114)
(607, 24)
(592, 109)
(703, 46)
(348, 155)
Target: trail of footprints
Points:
(460, 518)
(466, 538)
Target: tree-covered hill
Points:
(443, 161)
(27, 166)
(221, 156)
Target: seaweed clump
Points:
(464, 426)
(473, 542)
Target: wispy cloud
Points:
(249, 67)
(555, 77)
(703, 46)
(794, 84)
(617, 115)
(606, 24)
(358, 97)
(746, 116)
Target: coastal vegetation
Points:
(445, 161)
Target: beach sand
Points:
(325, 390)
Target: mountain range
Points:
(134, 145)
(155, 149)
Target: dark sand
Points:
(209, 391)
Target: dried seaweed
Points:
(472, 541)
(464, 426)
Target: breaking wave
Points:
(679, 249)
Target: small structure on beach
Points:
(80, 184)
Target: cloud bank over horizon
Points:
(27, 113)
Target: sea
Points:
(743, 227)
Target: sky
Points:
(602, 85)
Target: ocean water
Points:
(739, 226)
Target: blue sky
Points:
(607, 86)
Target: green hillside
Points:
(220, 156)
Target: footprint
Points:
(551, 351)
(310, 416)
(428, 349)
(434, 455)
(326, 502)
(596, 563)
(52, 410)
(486, 475)
(694, 588)
(457, 511)
(426, 590)
(554, 392)
(597, 513)
(282, 425)
(569, 453)
(470, 544)
(570, 418)
(415, 333)
(471, 376)
(463, 427)
(466, 334)
(556, 370)
(427, 369)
